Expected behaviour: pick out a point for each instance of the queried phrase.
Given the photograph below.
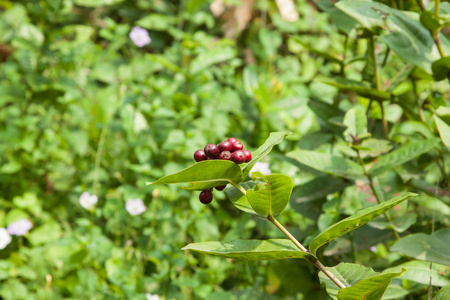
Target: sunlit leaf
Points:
(251, 249)
(355, 221)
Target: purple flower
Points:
(135, 206)
(5, 238)
(140, 36)
(20, 227)
(87, 200)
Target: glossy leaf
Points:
(274, 139)
(402, 155)
(428, 20)
(342, 21)
(238, 199)
(271, 198)
(401, 31)
(216, 172)
(371, 288)
(421, 271)
(355, 221)
(433, 248)
(328, 164)
(251, 249)
(444, 293)
(347, 85)
(356, 121)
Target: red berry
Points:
(220, 187)
(232, 140)
(248, 155)
(237, 146)
(212, 151)
(206, 196)
(238, 156)
(226, 155)
(224, 146)
(200, 155)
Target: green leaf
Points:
(274, 139)
(347, 273)
(421, 271)
(211, 57)
(432, 247)
(318, 188)
(401, 31)
(444, 293)
(355, 221)
(327, 163)
(251, 249)
(342, 21)
(441, 68)
(356, 121)
(326, 55)
(158, 22)
(347, 85)
(371, 288)
(272, 198)
(402, 155)
(428, 20)
(238, 199)
(96, 3)
(213, 172)
(399, 224)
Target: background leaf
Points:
(444, 293)
(444, 130)
(420, 246)
(356, 121)
(327, 163)
(355, 221)
(238, 199)
(421, 271)
(251, 249)
(402, 155)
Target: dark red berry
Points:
(206, 196)
(248, 155)
(200, 155)
(224, 146)
(237, 146)
(225, 155)
(220, 187)
(232, 140)
(238, 156)
(212, 151)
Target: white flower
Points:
(373, 249)
(140, 36)
(152, 297)
(5, 238)
(87, 200)
(262, 167)
(135, 207)
(19, 227)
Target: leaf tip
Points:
(148, 183)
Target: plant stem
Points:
(375, 193)
(374, 61)
(300, 246)
(420, 3)
(385, 123)
(239, 187)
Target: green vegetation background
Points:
(83, 109)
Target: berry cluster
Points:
(231, 149)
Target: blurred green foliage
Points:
(83, 109)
